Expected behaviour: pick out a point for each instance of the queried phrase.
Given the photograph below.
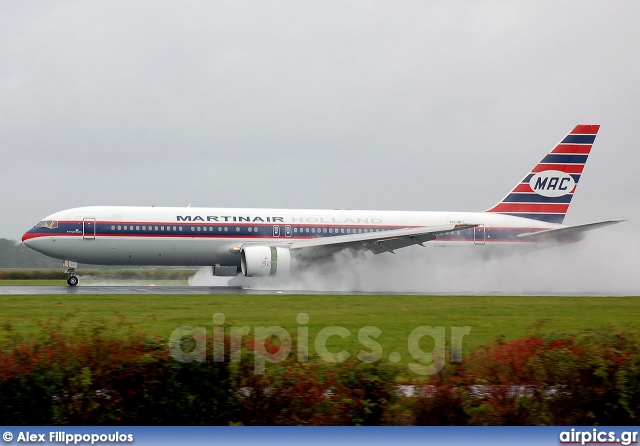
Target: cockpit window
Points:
(50, 224)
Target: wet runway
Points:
(151, 290)
(130, 289)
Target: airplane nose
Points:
(33, 240)
(27, 236)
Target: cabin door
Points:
(479, 235)
(89, 228)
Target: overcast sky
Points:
(402, 105)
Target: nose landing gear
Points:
(72, 280)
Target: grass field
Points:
(396, 316)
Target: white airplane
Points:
(266, 242)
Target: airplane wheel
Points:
(72, 280)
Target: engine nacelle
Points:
(260, 261)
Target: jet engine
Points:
(261, 261)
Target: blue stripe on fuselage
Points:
(549, 218)
(535, 198)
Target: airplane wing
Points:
(568, 234)
(376, 242)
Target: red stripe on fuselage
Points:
(532, 208)
(32, 235)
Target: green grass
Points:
(488, 316)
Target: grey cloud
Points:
(388, 105)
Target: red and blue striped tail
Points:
(546, 192)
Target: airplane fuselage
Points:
(212, 236)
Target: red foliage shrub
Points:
(97, 375)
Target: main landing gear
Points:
(72, 280)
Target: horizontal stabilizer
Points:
(568, 234)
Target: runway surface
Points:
(31, 290)
(151, 290)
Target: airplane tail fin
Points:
(546, 192)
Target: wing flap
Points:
(379, 242)
(391, 244)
